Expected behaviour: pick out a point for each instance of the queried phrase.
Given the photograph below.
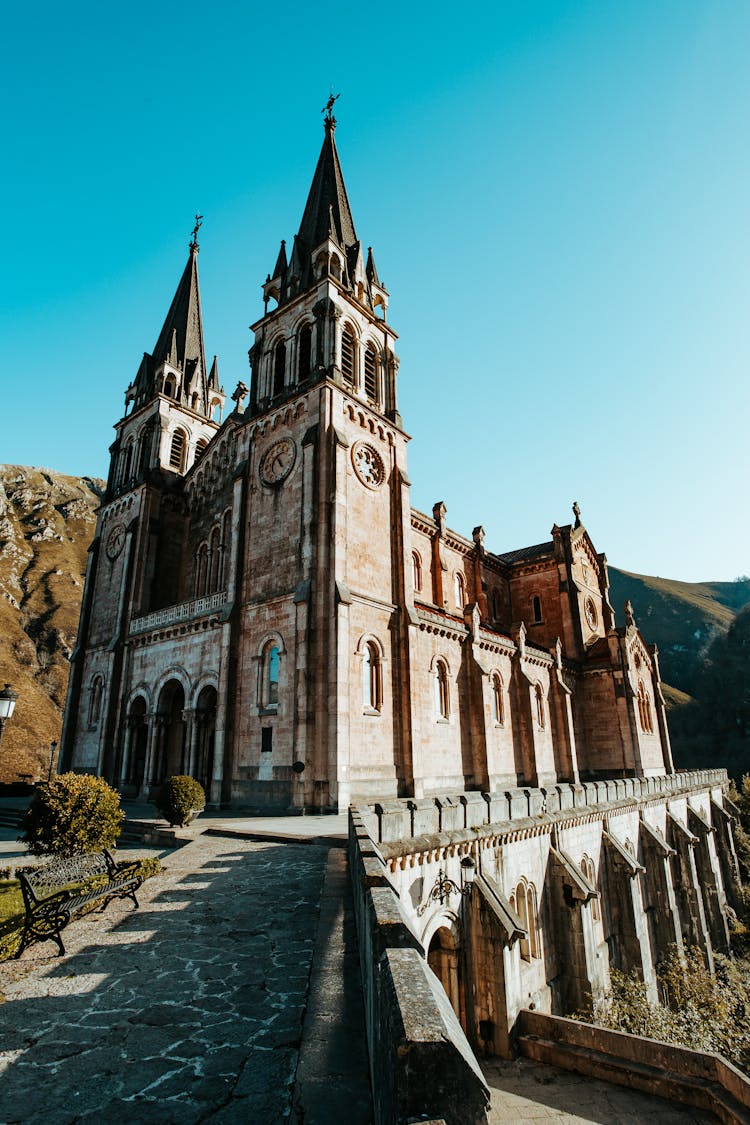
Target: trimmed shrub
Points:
(72, 814)
(180, 799)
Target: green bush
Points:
(72, 814)
(179, 799)
(696, 1009)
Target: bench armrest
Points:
(122, 866)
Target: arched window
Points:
(589, 871)
(348, 352)
(460, 589)
(540, 710)
(304, 352)
(371, 373)
(271, 677)
(169, 388)
(214, 561)
(201, 570)
(279, 367)
(644, 709)
(416, 570)
(524, 901)
(371, 678)
(95, 700)
(128, 463)
(200, 448)
(144, 451)
(442, 693)
(177, 451)
(522, 910)
(495, 606)
(536, 608)
(498, 707)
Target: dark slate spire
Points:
(181, 338)
(280, 268)
(371, 269)
(213, 378)
(327, 204)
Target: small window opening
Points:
(371, 373)
(347, 356)
(536, 608)
(279, 367)
(177, 451)
(304, 353)
(416, 564)
(442, 697)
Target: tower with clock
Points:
(266, 611)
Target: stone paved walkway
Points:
(187, 1010)
(525, 1091)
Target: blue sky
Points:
(558, 198)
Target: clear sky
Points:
(558, 199)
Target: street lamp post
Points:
(52, 749)
(8, 699)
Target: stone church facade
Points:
(265, 610)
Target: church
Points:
(266, 611)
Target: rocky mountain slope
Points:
(46, 524)
(682, 618)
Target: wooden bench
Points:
(57, 891)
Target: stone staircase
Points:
(693, 1078)
(11, 818)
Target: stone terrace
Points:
(188, 1009)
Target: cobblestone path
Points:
(189, 1009)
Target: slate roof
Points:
(327, 209)
(183, 328)
(526, 554)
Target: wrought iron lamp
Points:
(8, 699)
(443, 887)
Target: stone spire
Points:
(178, 361)
(327, 209)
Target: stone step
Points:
(685, 1089)
(10, 818)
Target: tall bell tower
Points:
(329, 515)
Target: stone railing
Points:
(389, 821)
(183, 611)
(421, 1063)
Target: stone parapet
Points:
(402, 818)
(184, 611)
(421, 1062)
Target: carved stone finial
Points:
(194, 237)
(239, 395)
(629, 615)
(577, 513)
(439, 512)
(478, 536)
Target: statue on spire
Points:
(330, 120)
(577, 513)
(196, 228)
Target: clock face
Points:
(368, 464)
(115, 541)
(278, 461)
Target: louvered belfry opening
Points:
(347, 356)
(371, 373)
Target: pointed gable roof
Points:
(181, 338)
(327, 203)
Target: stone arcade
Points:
(266, 611)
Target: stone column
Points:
(192, 741)
(151, 720)
(129, 725)
(189, 718)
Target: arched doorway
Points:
(169, 756)
(444, 958)
(205, 717)
(136, 745)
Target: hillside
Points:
(46, 524)
(682, 618)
